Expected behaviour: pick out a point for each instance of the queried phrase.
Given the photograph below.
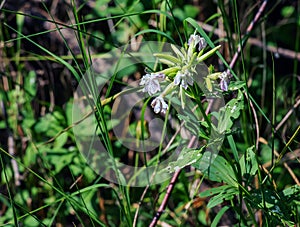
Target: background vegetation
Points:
(46, 46)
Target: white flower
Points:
(194, 40)
(151, 82)
(159, 105)
(202, 44)
(224, 81)
(184, 79)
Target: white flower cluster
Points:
(152, 86)
(181, 68)
(184, 79)
(159, 105)
(151, 83)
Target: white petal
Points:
(158, 75)
(194, 39)
(177, 78)
(157, 107)
(202, 44)
(224, 85)
(183, 83)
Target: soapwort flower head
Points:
(181, 70)
(184, 79)
(224, 80)
(159, 105)
(195, 40)
(151, 82)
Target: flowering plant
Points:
(180, 72)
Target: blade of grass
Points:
(219, 216)
(158, 32)
(64, 195)
(273, 113)
(63, 62)
(226, 22)
(9, 192)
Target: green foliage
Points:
(46, 50)
(229, 112)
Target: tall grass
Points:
(47, 179)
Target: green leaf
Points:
(187, 157)
(61, 140)
(162, 17)
(277, 205)
(30, 84)
(220, 198)
(219, 216)
(292, 191)
(235, 85)
(187, 11)
(219, 194)
(193, 125)
(230, 110)
(287, 11)
(191, 10)
(214, 191)
(125, 67)
(60, 158)
(30, 155)
(248, 162)
(216, 168)
(31, 221)
(208, 54)
(146, 53)
(50, 124)
(167, 59)
(156, 32)
(177, 51)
